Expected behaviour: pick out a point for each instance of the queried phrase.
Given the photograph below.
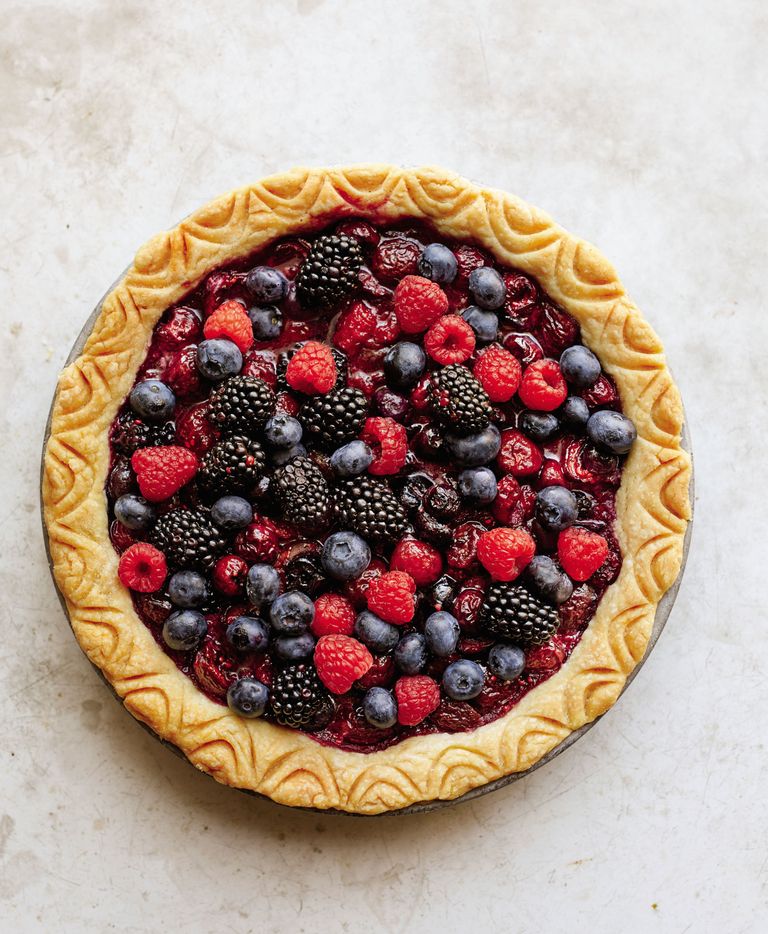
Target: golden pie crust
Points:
(286, 765)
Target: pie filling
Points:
(364, 485)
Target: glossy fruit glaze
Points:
(532, 327)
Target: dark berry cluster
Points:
(366, 485)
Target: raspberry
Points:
(504, 553)
(499, 373)
(183, 377)
(450, 340)
(518, 454)
(581, 552)
(355, 327)
(542, 387)
(419, 303)
(420, 560)
(312, 369)
(388, 441)
(194, 430)
(417, 697)
(180, 326)
(395, 258)
(391, 596)
(229, 575)
(142, 567)
(333, 616)
(340, 661)
(163, 471)
(230, 320)
(551, 474)
(514, 503)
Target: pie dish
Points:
(366, 487)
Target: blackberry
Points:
(130, 433)
(187, 538)
(241, 405)
(302, 493)
(458, 401)
(335, 418)
(233, 464)
(297, 696)
(513, 613)
(368, 507)
(330, 271)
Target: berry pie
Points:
(365, 487)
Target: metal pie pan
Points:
(663, 610)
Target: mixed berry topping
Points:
(364, 485)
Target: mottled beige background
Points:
(641, 126)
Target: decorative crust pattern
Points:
(288, 766)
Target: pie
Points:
(366, 486)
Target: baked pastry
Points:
(366, 486)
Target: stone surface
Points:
(640, 127)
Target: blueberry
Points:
(539, 425)
(247, 697)
(247, 634)
(411, 653)
(134, 512)
(549, 579)
(187, 589)
(478, 484)
(262, 585)
(345, 555)
(463, 680)
(152, 400)
(556, 508)
(380, 708)
(291, 613)
(487, 288)
(485, 324)
(283, 431)
(218, 358)
(283, 455)
(438, 263)
(474, 450)
(404, 363)
(267, 285)
(612, 431)
(441, 630)
(294, 648)
(351, 459)
(184, 629)
(506, 661)
(267, 322)
(232, 512)
(380, 637)
(579, 366)
(575, 412)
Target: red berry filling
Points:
(225, 498)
